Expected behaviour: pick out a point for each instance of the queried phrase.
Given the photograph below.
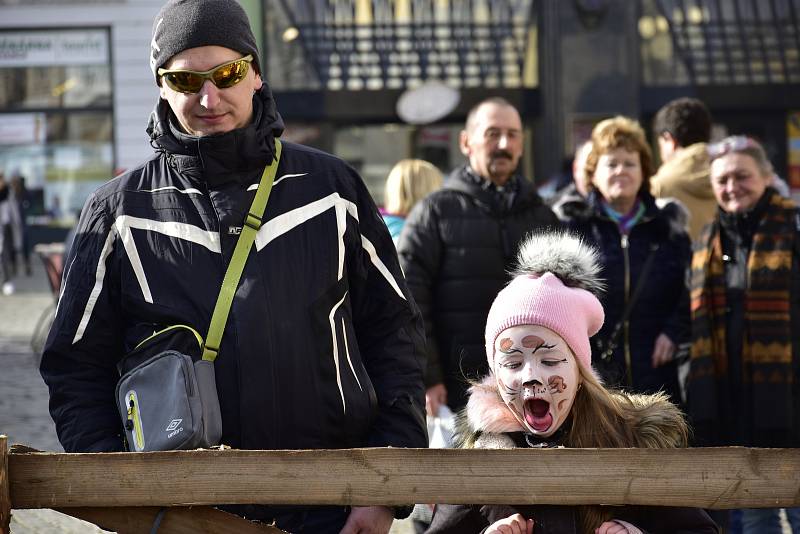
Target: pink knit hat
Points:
(554, 287)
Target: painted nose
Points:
(531, 376)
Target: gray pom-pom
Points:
(565, 255)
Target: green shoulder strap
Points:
(252, 223)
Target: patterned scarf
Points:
(767, 344)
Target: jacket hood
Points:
(458, 180)
(568, 202)
(654, 419)
(692, 164)
(584, 208)
(223, 157)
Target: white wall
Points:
(135, 92)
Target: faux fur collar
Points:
(486, 411)
(655, 421)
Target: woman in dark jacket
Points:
(542, 392)
(745, 358)
(645, 255)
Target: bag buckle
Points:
(252, 221)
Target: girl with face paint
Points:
(543, 392)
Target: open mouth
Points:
(537, 414)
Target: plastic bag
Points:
(441, 429)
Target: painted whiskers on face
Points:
(537, 377)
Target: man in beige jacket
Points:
(683, 129)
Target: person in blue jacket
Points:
(323, 347)
(409, 181)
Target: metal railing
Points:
(378, 44)
(726, 41)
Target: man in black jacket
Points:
(459, 243)
(323, 346)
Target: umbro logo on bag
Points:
(173, 424)
(173, 429)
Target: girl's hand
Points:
(513, 524)
(617, 527)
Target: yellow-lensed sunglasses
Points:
(223, 76)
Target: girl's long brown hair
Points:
(606, 418)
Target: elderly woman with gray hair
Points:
(742, 386)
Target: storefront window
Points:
(56, 116)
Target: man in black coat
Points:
(459, 243)
(323, 346)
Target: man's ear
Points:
(257, 82)
(463, 142)
(162, 90)
(669, 140)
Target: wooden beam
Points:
(729, 477)
(183, 520)
(5, 488)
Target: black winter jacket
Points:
(323, 347)
(662, 305)
(456, 248)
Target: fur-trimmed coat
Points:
(486, 423)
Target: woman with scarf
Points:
(745, 362)
(543, 392)
(645, 254)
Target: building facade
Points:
(76, 89)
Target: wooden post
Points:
(5, 491)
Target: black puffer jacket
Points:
(662, 305)
(323, 346)
(455, 249)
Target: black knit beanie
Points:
(184, 24)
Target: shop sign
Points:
(22, 128)
(44, 48)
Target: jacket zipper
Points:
(154, 335)
(626, 325)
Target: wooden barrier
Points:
(5, 487)
(104, 484)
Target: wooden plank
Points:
(729, 477)
(183, 520)
(5, 488)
